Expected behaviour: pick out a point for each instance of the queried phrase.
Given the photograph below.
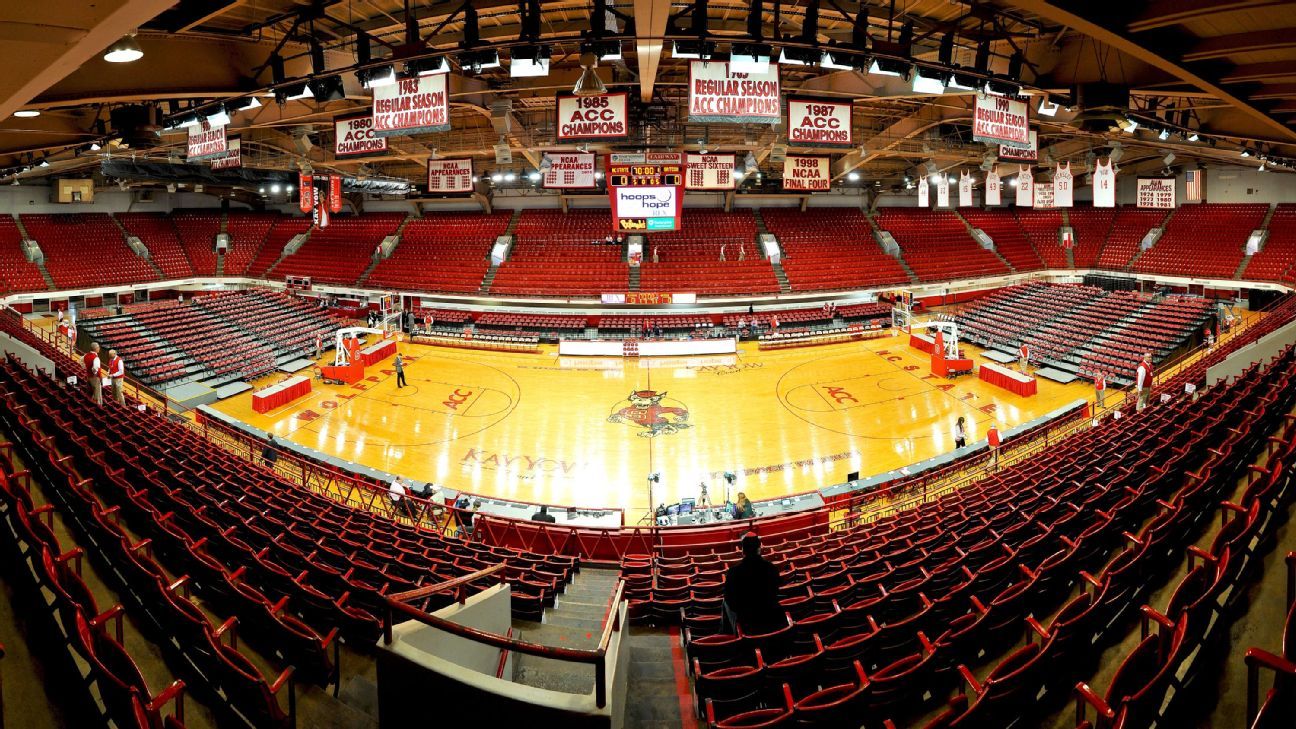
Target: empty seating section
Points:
(341, 252)
(1127, 231)
(16, 272)
(1008, 235)
(937, 245)
(1274, 262)
(159, 237)
(1041, 228)
(442, 252)
(689, 259)
(1091, 227)
(1207, 241)
(248, 237)
(887, 620)
(562, 254)
(282, 229)
(830, 249)
(86, 250)
(636, 324)
(287, 323)
(197, 232)
(532, 322)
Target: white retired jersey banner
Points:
(924, 192)
(717, 95)
(570, 171)
(1104, 185)
(965, 189)
(1063, 187)
(450, 175)
(1024, 153)
(818, 122)
(1156, 192)
(1001, 119)
(709, 171)
(233, 157)
(806, 173)
(416, 105)
(602, 116)
(354, 135)
(942, 192)
(1044, 198)
(994, 188)
(1025, 187)
(206, 141)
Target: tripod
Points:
(650, 516)
(704, 500)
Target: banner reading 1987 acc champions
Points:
(1001, 119)
(710, 171)
(418, 105)
(818, 122)
(450, 175)
(718, 95)
(806, 173)
(569, 171)
(354, 135)
(592, 117)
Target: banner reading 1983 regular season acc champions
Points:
(450, 175)
(592, 117)
(806, 173)
(818, 122)
(354, 135)
(718, 95)
(646, 191)
(418, 105)
(569, 171)
(1001, 119)
(710, 171)
(206, 141)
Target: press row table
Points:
(280, 393)
(1010, 380)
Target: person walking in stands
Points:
(742, 252)
(1143, 380)
(960, 433)
(399, 364)
(1100, 389)
(774, 323)
(992, 438)
(117, 373)
(92, 367)
(722, 252)
(396, 492)
(654, 255)
(270, 454)
(1023, 357)
(751, 592)
(319, 346)
(544, 516)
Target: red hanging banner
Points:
(306, 192)
(335, 193)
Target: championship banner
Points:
(1001, 119)
(994, 188)
(306, 192)
(805, 173)
(450, 175)
(416, 105)
(581, 118)
(1023, 153)
(710, 171)
(569, 171)
(818, 122)
(1044, 197)
(1104, 184)
(717, 95)
(1025, 195)
(965, 189)
(1063, 187)
(354, 135)
(206, 141)
(646, 191)
(233, 157)
(335, 193)
(924, 192)
(942, 191)
(1156, 192)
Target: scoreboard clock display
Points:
(646, 190)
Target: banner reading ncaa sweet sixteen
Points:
(718, 95)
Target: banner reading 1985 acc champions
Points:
(418, 105)
(354, 135)
(710, 171)
(1001, 119)
(581, 118)
(806, 173)
(450, 175)
(718, 95)
(569, 171)
(818, 122)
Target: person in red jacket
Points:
(1100, 389)
(92, 366)
(1023, 357)
(992, 438)
(117, 375)
(1143, 380)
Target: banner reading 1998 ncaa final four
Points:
(718, 95)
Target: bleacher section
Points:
(197, 233)
(1206, 241)
(442, 252)
(1041, 229)
(1275, 262)
(562, 254)
(689, 259)
(281, 231)
(248, 236)
(937, 246)
(16, 272)
(1009, 237)
(831, 249)
(1127, 231)
(341, 252)
(159, 237)
(1092, 226)
(86, 250)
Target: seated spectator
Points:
(544, 516)
(751, 590)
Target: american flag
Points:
(1194, 184)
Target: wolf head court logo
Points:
(651, 411)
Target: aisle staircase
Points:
(1070, 252)
(378, 257)
(1164, 222)
(488, 279)
(995, 249)
(513, 222)
(220, 254)
(126, 236)
(760, 222)
(785, 286)
(575, 621)
(49, 280)
(634, 278)
(1264, 225)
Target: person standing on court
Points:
(1023, 357)
(751, 592)
(92, 367)
(1100, 389)
(960, 433)
(1143, 380)
(117, 374)
(399, 364)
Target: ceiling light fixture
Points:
(373, 78)
(589, 83)
(750, 57)
(927, 81)
(530, 62)
(1047, 107)
(27, 113)
(125, 50)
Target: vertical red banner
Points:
(335, 193)
(306, 192)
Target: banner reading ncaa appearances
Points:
(646, 190)
(710, 171)
(592, 117)
(801, 173)
(412, 106)
(450, 175)
(569, 171)
(354, 135)
(818, 122)
(717, 95)
(1001, 119)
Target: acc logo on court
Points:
(651, 411)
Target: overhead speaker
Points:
(503, 154)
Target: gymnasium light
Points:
(1047, 107)
(292, 92)
(1194, 137)
(377, 77)
(510, 177)
(889, 67)
(94, 147)
(530, 62)
(1012, 182)
(800, 56)
(749, 57)
(274, 189)
(124, 50)
(219, 118)
(27, 113)
(928, 82)
(598, 175)
(428, 66)
(250, 102)
(327, 89)
(589, 83)
(1262, 167)
(699, 49)
(534, 176)
(496, 177)
(1130, 125)
(1246, 152)
(43, 163)
(261, 190)
(478, 61)
(965, 82)
(289, 189)
(853, 177)
(839, 61)
(604, 50)
(1164, 134)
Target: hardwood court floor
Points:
(560, 430)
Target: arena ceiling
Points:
(1223, 69)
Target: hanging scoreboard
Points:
(646, 190)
